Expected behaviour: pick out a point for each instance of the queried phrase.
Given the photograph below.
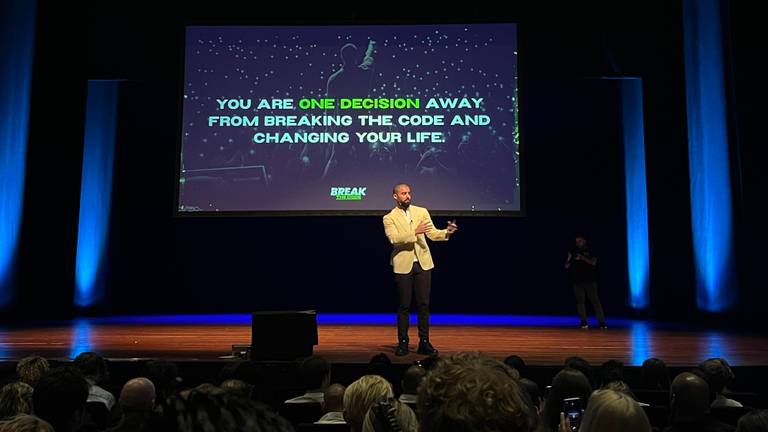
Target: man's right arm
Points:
(395, 237)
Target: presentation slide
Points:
(325, 120)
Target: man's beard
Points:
(404, 205)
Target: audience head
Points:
(532, 389)
(689, 398)
(25, 423)
(30, 369)
(568, 383)
(516, 363)
(380, 365)
(15, 399)
(315, 372)
(137, 395)
(59, 398)
(91, 366)
(582, 366)
(411, 379)
(238, 388)
(717, 373)
(655, 374)
(471, 392)
(333, 398)
(754, 421)
(612, 370)
(165, 376)
(609, 410)
(361, 395)
(390, 415)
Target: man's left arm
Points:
(435, 234)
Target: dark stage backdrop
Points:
(571, 170)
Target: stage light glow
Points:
(17, 42)
(95, 190)
(635, 191)
(709, 169)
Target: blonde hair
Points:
(31, 369)
(361, 395)
(15, 399)
(609, 410)
(25, 423)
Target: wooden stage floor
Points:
(631, 342)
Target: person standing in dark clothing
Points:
(582, 266)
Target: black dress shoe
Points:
(426, 348)
(402, 349)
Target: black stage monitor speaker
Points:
(283, 335)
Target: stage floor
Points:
(356, 338)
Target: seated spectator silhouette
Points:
(609, 410)
(690, 406)
(360, 396)
(611, 370)
(15, 399)
(30, 369)
(315, 374)
(582, 366)
(755, 421)
(165, 376)
(410, 383)
(718, 375)
(59, 399)
(517, 363)
(137, 400)
(333, 405)
(93, 367)
(471, 392)
(568, 383)
(655, 375)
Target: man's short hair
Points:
(91, 365)
(716, 373)
(471, 392)
(397, 186)
(30, 369)
(314, 370)
(411, 379)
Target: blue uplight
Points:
(95, 190)
(17, 41)
(709, 170)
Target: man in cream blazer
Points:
(407, 227)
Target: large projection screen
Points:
(324, 120)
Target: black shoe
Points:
(402, 348)
(426, 348)
(603, 326)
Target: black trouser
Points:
(418, 280)
(588, 290)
